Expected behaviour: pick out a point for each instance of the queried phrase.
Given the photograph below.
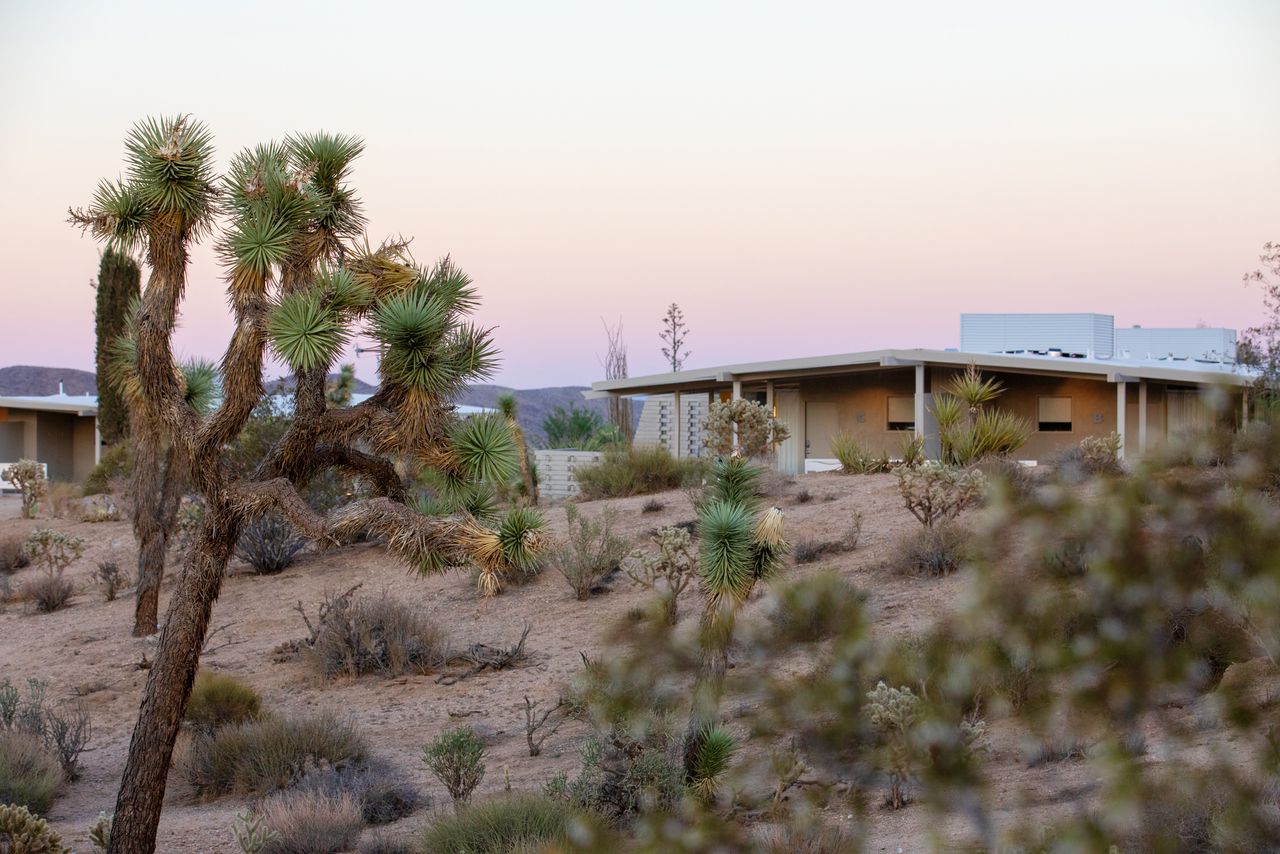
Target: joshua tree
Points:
(673, 334)
(510, 410)
(297, 282)
(736, 549)
(117, 288)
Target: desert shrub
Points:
(499, 826)
(53, 550)
(61, 499)
(626, 768)
(381, 844)
(456, 758)
(893, 712)
(809, 837)
(590, 552)
(382, 794)
(269, 544)
(219, 699)
(310, 822)
(912, 452)
(636, 471)
(652, 505)
(807, 550)
(63, 730)
(1016, 479)
(1062, 749)
(114, 463)
(100, 831)
(24, 833)
(813, 609)
(804, 496)
(936, 551)
(13, 555)
(111, 577)
(752, 425)
(1094, 455)
(376, 635)
(48, 592)
(854, 457)
(259, 756)
(669, 571)
(935, 493)
(28, 477)
(30, 775)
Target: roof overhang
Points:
(1103, 370)
(36, 404)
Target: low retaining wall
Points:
(555, 471)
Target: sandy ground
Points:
(85, 653)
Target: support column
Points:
(1142, 418)
(1121, 389)
(1244, 407)
(97, 442)
(919, 403)
(677, 425)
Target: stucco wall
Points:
(861, 409)
(84, 447)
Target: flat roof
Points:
(1111, 370)
(76, 404)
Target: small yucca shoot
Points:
(716, 746)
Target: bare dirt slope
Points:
(84, 652)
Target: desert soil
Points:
(86, 654)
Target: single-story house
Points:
(1059, 371)
(59, 430)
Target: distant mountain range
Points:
(534, 403)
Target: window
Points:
(1054, 415)
(902, 412)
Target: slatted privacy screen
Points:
(902, 412)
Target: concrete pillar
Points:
(919, 402)
(678, 425)
(1142, 418)
(1121, 396)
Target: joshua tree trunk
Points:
(156, 495)
(142, 786)
(522, 454)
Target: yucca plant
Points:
(299, 282)
(737, 547)
(968, 429)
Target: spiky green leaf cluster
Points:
(736, 481)
(485, 448)
(306, 333)
(201, 384)
(715, 749)
(171, 168)
(724, 550)
(518, 532)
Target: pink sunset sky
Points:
(800, 177)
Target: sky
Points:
(800, 177)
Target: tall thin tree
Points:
(674, 332)
(615, 368)
(299, 282)
(118, 286)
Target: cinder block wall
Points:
(555, 471)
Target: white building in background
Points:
(1070, 375)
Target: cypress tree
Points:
(119, 284)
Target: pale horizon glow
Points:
(802, 178)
